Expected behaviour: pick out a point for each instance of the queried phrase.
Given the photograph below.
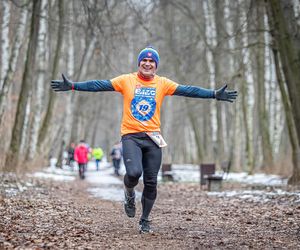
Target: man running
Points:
(143, 93)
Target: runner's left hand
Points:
(225, 95)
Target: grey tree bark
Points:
(40, 82)
(219, 65)
(286, 37)
(5, 20)
(263, 120)
(13, 156)
(46, 123)
(12, 62)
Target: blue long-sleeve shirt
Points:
(181, 90)
(194, 91)
(94, 85)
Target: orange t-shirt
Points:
(142, 101)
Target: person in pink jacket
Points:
(81, 157)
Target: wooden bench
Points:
(214, 183)
(208, 177)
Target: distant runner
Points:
(97, 154)
(81, 156)
(116, 155)
(71, 159)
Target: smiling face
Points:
(147, 68)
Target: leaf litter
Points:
(45, 214)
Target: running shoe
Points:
(129, 205)
(144, 226)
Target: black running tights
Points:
(141, 156)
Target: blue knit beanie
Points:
(149, 52)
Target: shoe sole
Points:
(128, 214)
(146, 232)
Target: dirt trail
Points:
(56, 215)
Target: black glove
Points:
(225, 95)
(61, 85)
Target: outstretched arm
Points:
(92, 85)
(193, 91)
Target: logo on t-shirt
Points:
(143, 104)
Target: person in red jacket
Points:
(81, 157)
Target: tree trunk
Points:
(70, 72)
(41, 72)
(289, 121)
(289, 55)
(210, 40)
(25, 129)
(79, 98)
(196, 130)
(70, 100)
(46, 124)
(287, 44)
(263, 120)
(245, 85)
(218, 65)
(4, 40)
(14, 149)
(12, 61)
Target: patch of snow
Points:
(112, 193)
(107, 193)
(272, 180)
(103, 176)
(255, 195)
(191, 173)
(54, 176)
(11, 191)
(107, 186)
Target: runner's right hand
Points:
(61, 85)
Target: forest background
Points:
(253, 45)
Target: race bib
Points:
(143, 105)
(157, 138)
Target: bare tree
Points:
(41, 76)
(12, 62)
(45, 126)
(286, 38)
(24, 97)
(4, 40)
(263, 120)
